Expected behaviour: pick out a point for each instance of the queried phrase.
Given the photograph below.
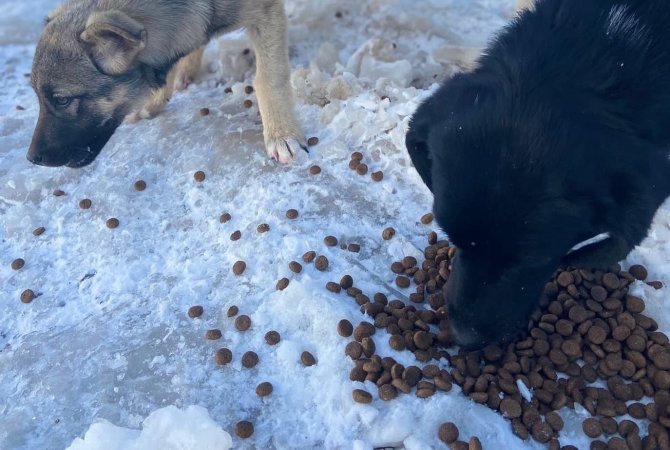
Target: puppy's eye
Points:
(62, 102)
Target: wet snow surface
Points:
(107, 351)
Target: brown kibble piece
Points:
(263, 228)
(346, 282)
(307, 359)
(195, 311)
(510, 408)
(248, 89)
(223, 356)
(140, 185)
(225, 217)
(314, 170)
(28, 296)
(638, 271)
(39, 231)
(448, 432)
(361, 396)
(112, 223)
(321, 263)
(312, 141)
(309, 256)
(292, 213)
(354, 248)
(377, 176)
(236, 236)
(345, 328)
(243, 323)
(334, 287)
(388, 233)
(474, 443)
(214, 334)
(244, 429)
(282, 284)
(18, 264)
(362, 169)
(199, 176)
(387, 392)
(541, 432)
(233, 311)
(353, 350)
(295, 267)
(204, 111)
(357, 156)
(592, 428)
(264, 389)
(239, 267)
(58, 193)
(85, 203)
(248, 103)
(402, 282)
(272, 337)
(427, 218)
(330, 241)
(249, 360)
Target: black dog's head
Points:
(87, 79)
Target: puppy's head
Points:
(508, 216)
(87, 77)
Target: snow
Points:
(107, 348)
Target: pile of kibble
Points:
(589, 343)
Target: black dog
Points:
(561, 133)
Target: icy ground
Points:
(107, 349)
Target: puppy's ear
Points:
(113, 41)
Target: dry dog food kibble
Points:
(312, 141)
(427, 218)
(243, 323)
(354, 248)
(244, 429)
(204, 111)
(264, 389)
(236, 236)
(112, 223)
(248, 89)
(282, 284)
(362, 169)
(39, 231)
(448, 433)
(272, 337)
(18, 264)
(309, 256)
(58, 193)
(345, 328)
(292, 213)
(85, 203)
(356, 156)
(354, 163)
(233, 311)
(195, 311)
(248, 103)
(295, 267)
(330, 241)
(239, 267)
(361, 396)
(263, 228)
(388, 233)
(307, 359)
(223, 356)
(321, 263)
(199, 176)
(333, 287)
(28, 296)
(249, 360)
(213, 335)
(377, 176)
(140, 185)
(225, 217)
(314, 170)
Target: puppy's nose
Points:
(35, 159)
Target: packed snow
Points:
(106, 356)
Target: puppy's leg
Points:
(282, 133)
(188, 69)
(182, 74)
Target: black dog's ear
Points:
(417, 147)
(114, 41)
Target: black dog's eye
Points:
(62, 102)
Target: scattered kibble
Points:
(112, 223)
(199, 176)
(140, 185)
(213, 335)
(85, 203)
(244, 429)
(312, 141)
(195, 311)
(28, 296)
(292, 214)
(243, 323)
(18, 264)
(239, 267)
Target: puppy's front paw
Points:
(153, 108)
(285, 149)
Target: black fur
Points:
(561, 133)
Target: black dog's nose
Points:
(35, 159)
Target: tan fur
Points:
(153, 34)
(524, 4)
